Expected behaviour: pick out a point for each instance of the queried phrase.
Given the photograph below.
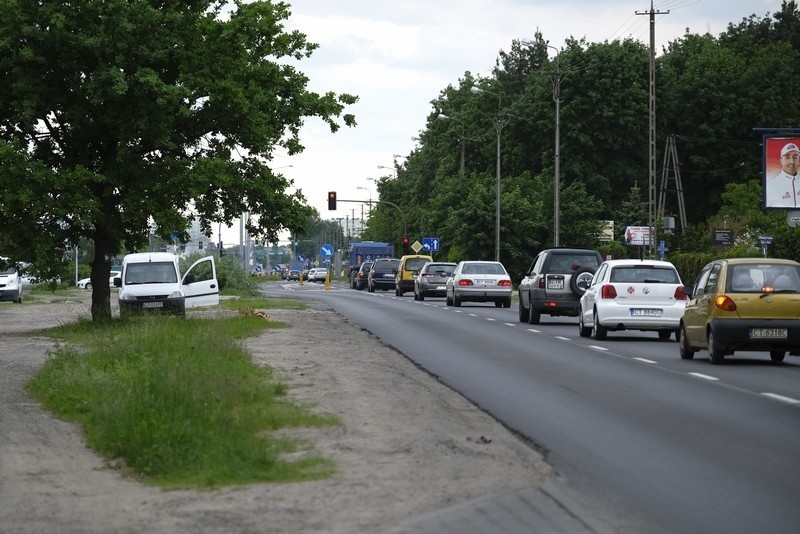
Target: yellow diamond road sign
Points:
(416, 247)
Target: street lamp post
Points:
(444, 117)
(499, 123)
(393, 169)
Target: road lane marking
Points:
(509, 324)
(563, 338)
(781, 398)
(490, 319)
(534, 330)
(704, 377)
(645, 360)
(597, 347)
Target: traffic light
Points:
(405, 244)
(331, 200)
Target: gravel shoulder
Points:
(408, 445)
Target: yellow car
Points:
(407, 272)
(743, 304)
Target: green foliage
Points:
(178, 401)
(102, 132)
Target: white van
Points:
(10, 282)
(152, 281)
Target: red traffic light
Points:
(331, 200)
(405, 240)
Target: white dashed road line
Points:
(704, 377)
(645, 360)
(781, 398)
(597, 347)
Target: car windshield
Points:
(440, 268)
(644, 274)
(568, 263)
(386, 265)
(483, 268)
(415, 264)
(766, 278)
(150, 273)
(10, 270)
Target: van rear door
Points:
(199, 284)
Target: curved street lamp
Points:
(499, 123)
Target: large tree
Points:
(119, 116)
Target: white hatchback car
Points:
(644, 295)
(479, 281)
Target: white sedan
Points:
(86, 283)
(479, 281)
(644, 295)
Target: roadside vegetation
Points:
(178, 402)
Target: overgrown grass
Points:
(259, 303)
(178, 401)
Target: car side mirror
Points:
(688, 291)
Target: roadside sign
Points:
(326, 250)
(637, 235)
(765, 239)
(301, 258)
(416, 246)
(722, 237)
(430, 244)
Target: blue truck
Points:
(366, 251)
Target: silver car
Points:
(479, 281)
(432, 279)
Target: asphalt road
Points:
(650, 443)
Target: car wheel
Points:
(448, 300)
(716, 352)
(580, 280)
(664, 334)
(456, 301)
(534, 317)
(498, 303)
(583, 330)
(507, 303)
(599, 332)
(421, 296)
(88, 285)
(777, 355)
(687, 352)
(524, 312)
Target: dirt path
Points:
(408, 445)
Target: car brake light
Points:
(680, 294)
(608, 292)
(541, 282)
(724, 302)
(504, 283)
(465, 282)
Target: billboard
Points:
(781, 186)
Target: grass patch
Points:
(259, 303)
(178, 401)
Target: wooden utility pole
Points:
(652, 106)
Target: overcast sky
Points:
(398, 55)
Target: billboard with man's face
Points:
(781, 183)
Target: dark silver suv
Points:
(555, 281)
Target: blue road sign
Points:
(326, 250)
(430, 244)
(301, 258)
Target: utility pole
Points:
(652, 144)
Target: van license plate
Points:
(779, 333)
(152, 305)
